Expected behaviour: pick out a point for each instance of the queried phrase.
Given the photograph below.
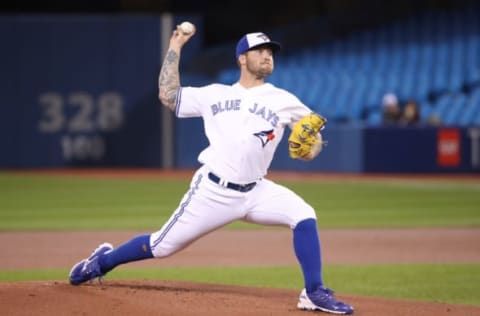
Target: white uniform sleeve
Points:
(189, 102)
(297, 110)
(194, 101)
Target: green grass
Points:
(32, 202)
(61, 203)
(453, 283)
(386, 203)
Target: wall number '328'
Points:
(80, 112)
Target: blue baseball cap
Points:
(252, 40)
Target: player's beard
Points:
(261, 70)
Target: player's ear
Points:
(242, 59)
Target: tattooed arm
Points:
(169, 78)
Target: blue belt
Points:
(230, 185)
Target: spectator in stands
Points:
(410, 114)
(391, 109)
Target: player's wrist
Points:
(175, 47)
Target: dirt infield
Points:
(181, 298)
(269, 247)
(252, 248)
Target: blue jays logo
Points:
(265, 136)
(263, 37)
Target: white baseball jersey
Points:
(243, 126)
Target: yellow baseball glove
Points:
(305, 141)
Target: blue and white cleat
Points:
(322, 299)
(89, 269)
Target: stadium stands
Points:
(433, 57)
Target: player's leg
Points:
(205, 207)
(140, 247)
(273, 204)
(198, 213)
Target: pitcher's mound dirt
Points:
(181, 298)
(142, 297)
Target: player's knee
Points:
(306, 223)
(307, 213)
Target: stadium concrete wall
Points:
(81, 91)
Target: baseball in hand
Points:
(186, 28)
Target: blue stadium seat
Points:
(469, 112)
(454, 110)
(375, 118)
(442, 105)
(432, 57)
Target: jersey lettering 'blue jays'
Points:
(227, 105)
(234, 124)
(271, 116)
(234, 105)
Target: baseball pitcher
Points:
(244, 124)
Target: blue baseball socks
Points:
(306, 244)
(136, 249)
(305, 241)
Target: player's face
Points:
(260, 61)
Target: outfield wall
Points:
(82, 91)
(422, 150)
(365, 149)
